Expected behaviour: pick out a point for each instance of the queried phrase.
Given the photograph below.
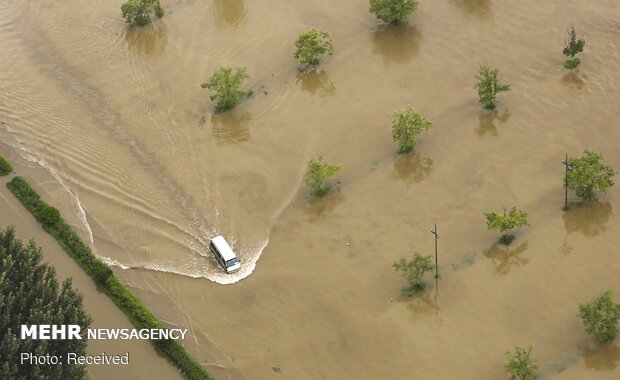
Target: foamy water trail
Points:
(200, 267)
(112, 263)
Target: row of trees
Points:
(139, 12)
(600, 319)
(312, 45)
(587, 174)
(30, 294)
(225, 83)
(414, 269)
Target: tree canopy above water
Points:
(312, 46)
(587, 174)
(488, 86)
(406, 126)
(225, 83)
(138, 12)
(393, 11)
(316, 173)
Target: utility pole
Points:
(567, 168)
(434, 232)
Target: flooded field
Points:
(132, 149)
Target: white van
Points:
(224, 254)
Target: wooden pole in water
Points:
(567, 167)
(566, 183)
(434, 231)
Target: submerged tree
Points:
(393, 11)
(587, 174)
(520, 364)
(312, 46)
(407, 124)
(316, 174)
(505, 222)
(600, 317)
(413, 270)
(31, 295)
(488, 86)
(138, 12)
(225, 84)
(573, 46)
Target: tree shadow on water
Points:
(487, 122)
(602, 358)
(149, 40)
(573, 80)
(424, 304)
(230, 126)
(412, 167)
(316, 82)
(565, 249)
(320, 207)
(398, 43)
(228, 13)
(589, 218)
(505, 258)
(478, 8)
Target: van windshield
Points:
(231, 262)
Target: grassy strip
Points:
(5, 166)
(103, 276)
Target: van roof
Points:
(222, 246)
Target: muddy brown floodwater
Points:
(118, 118)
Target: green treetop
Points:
(225, 83)
(520, 364)
(5, 166)
(488, 86)
(312, 46)
(413, 270)
(587, 174)
(505, 222)
(600, 317)
(573, 46)
(138, 12)
(317, 172)
(406, 126)
(393, 11)
(31, 295)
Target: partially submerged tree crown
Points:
(506, 221)
(573, 45)
(224, 84)
(587, 174)
(316, 173)
(393, 11)
(488, 86)
(413, 270)
(138, 12)
(520, 364)
(600, 317)
(312, 46)
(407, 123)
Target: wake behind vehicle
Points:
(224, 254)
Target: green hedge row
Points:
(5, 166)
(103, 276)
